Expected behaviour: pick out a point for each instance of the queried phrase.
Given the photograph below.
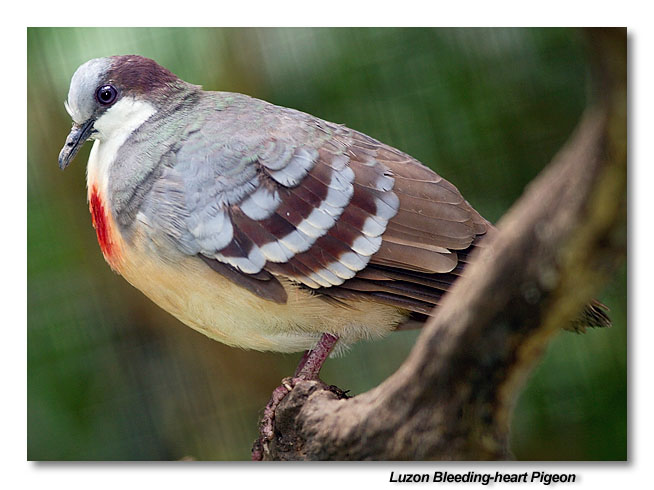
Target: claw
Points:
(308, 369)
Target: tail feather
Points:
(595, 315)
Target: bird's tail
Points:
(594, 315)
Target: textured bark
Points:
(452, 398)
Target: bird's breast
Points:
(97, 176)
(105, 228)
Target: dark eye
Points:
(106, 94)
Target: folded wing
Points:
(324, 206)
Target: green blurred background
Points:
(112, 377)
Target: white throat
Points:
(113, 129)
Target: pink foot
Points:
(307, 369)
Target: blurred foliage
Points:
(110, 376)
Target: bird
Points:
(260, 226)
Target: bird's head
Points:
(109, 94)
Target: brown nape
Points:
(141, 75)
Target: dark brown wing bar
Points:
(425, 245)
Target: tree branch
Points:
(453, 396)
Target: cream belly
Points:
(207, 302)
(204, 300)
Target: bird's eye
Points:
(106, 94)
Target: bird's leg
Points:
(307, 369)
(312, 360)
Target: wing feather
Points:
(322, 205)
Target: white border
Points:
(634, 474)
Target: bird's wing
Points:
(417, 251)
(316, 203)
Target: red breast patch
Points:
(101, 224)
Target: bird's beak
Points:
(79, 133)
